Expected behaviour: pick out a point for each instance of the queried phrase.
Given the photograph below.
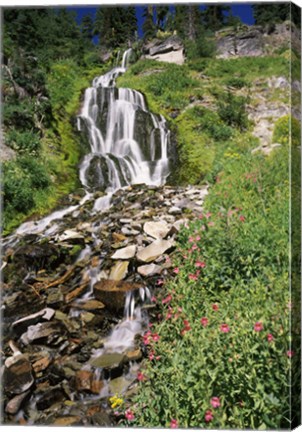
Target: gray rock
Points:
(14, 405)
(246, 42)
(17, 374)
(157, 230)
(125, 253)
(108, 360)
(174, 210)
(154, 250)
(173, 43)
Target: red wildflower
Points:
(258, 326)
(270, 337)
(129, 415)
(194, 247)
(204, 321)
(215, 307)
(155, 337)
(192, 276)
(241, 218)
(151, 355)
(191, 240)
(290, 353)
(208, 416)
(224, 328)
(215, 402)
(153, 299)
(173, 424)
(159, 282)
(176, 270)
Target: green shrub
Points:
(236, 82)
(37, 172)
(26, 142)
(286, 127)
(209, 122)
(231, 109)
(204, 46)
(222, 323)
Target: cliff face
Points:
(254, 41)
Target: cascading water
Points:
(128, 144)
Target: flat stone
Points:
(14, 405)
(149, 270)
(125, 253)
(157, 230)
(154, 250)
(113, 293)
(42, 364)
(41, 331)
(108, 360)
(71, 236)
(129, 231)
(125, 221)
(119, 270)
(118, 237)
(43, 315)
(87, 317)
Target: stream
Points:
(80, 285)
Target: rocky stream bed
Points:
(76, 300)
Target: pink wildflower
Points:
(155, 337)
(215, 402)
(208, 215)
(204, 321)
(290, 353)
(197, 238)
(173, 424)
(141, 376)
(201, 264)
(224, 328)
(270, 337)
(210, 224)
(241, 218)
(192, 276)
(151, 355)
(208, 416)
(215, 307)
(159, 282)
(167, 299)
(153, 299)
(258, 326)
(129, 415)
(194, 247)
(176, 270)
(157, 357)
(191, 240)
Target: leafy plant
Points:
(231, 109)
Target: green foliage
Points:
(203, 46)
(23, 142)
(248, 68)
(285, 128)
(231, 109)
(209, 122)
(236, 258)
(236, 82)
(271, 14)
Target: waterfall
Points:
(128, 144)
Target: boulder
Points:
(17, 375)
(154, 250)
(108, 360)
(172, 43)
(113, 293)
(246, 42)
(21, 325)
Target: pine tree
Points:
(149, 28)
(214, 17)
(87, 27)
(271, 13)
(188, 22)
(161, 16)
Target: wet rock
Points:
(14, 405)
(21, 325)
(55, 297)
(118, 237)
(67, 421)
(89, 305)
(86, 381)
(42, 364)
(134, 355)
(71, 325)
(154, 250)
(113, 293)
(51, 332)
(49, 396)
(108, 360)
(119, 385)
(87, 317)
(157, 230)
(149, 270)
(119, 270)
(36, 256)
(71, 236)
(125, 253)
(17, 375)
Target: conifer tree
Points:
(214, 17)
(149, 28)
(87, 27)
(271, 13)
(161, 16)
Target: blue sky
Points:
(243, 10)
